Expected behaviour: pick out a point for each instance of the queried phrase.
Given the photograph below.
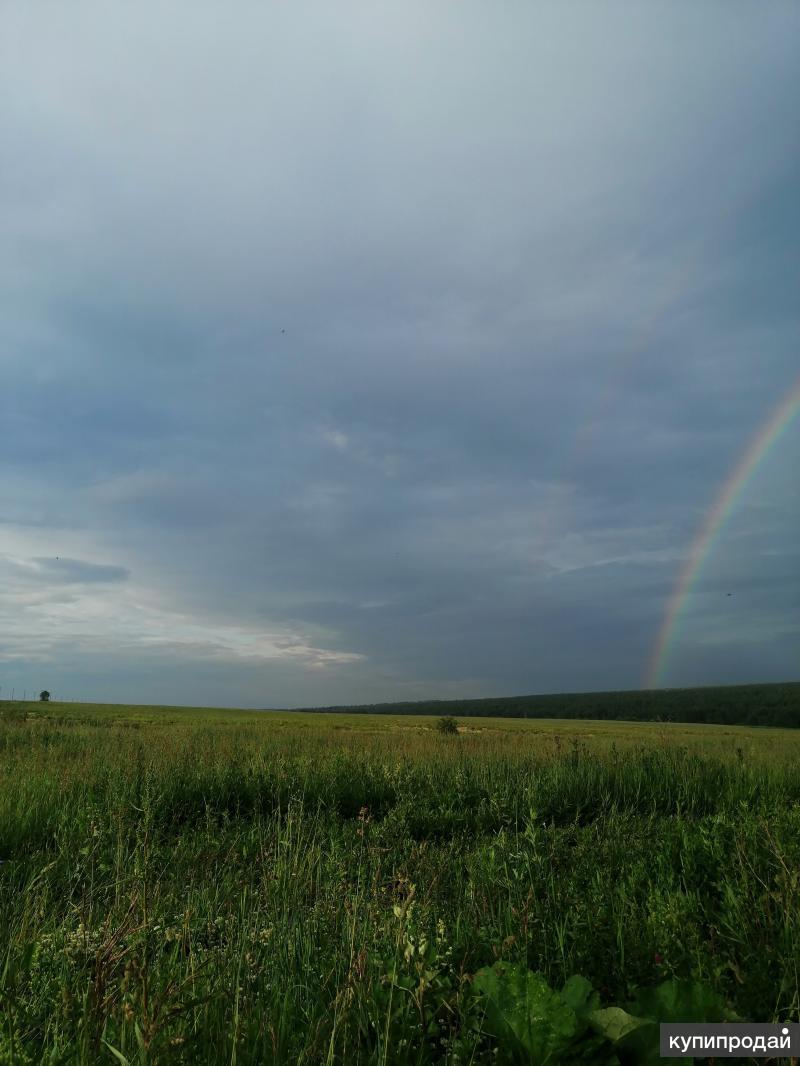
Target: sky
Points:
(366, 352)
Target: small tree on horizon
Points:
(44, 696)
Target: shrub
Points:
(447, 726)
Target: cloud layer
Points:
(362, 354)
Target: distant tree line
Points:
(767, 705)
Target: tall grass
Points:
(243, 893)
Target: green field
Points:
(195, 885)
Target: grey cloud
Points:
(60, 570)
(536, 271)
(77, 571)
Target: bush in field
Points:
(44, 696)
(447, 726)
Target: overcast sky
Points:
(357, 352)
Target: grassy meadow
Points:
(203, 886)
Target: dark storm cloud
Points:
(401, 357)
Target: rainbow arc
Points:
(759, 446)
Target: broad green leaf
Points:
(580, 995)
(533, 1023)
(614, 1023)
(671, 1001)
(680, 1001)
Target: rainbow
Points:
(766, 436)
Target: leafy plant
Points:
(635, 1033)
(534, 1024)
